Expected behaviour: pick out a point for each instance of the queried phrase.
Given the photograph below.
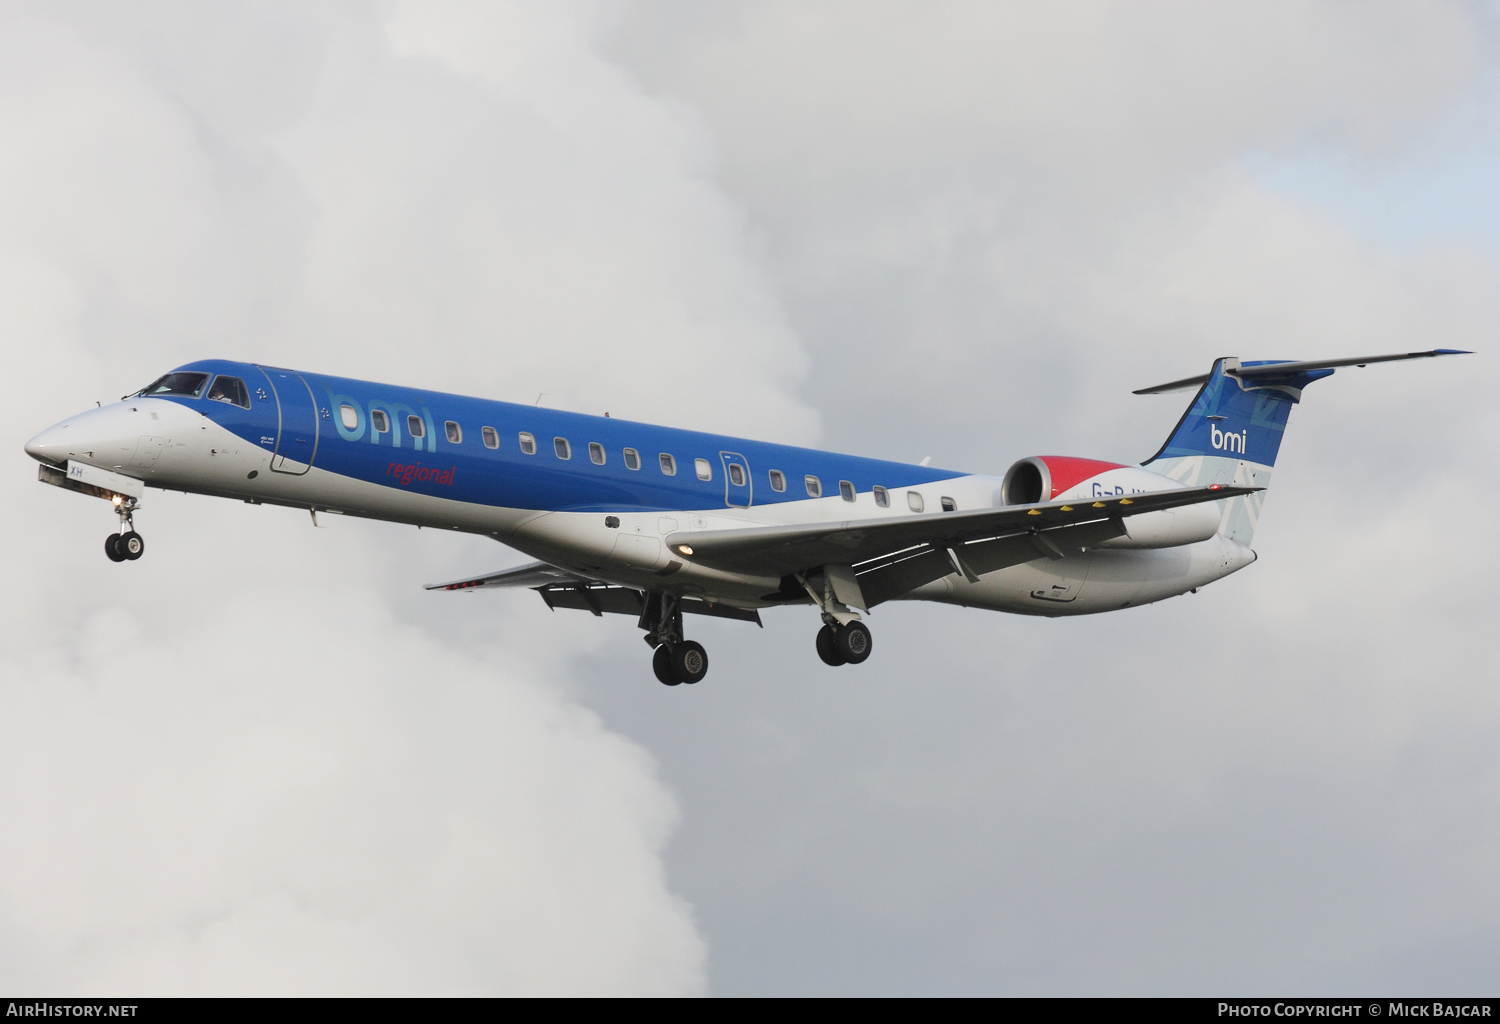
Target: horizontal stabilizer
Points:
(1282, 369)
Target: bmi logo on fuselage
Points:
(1227, 440)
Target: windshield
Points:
(189, 384)
(231, 390)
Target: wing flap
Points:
(533, 574)
(601, 598)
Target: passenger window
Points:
(632, 459)
(778, 480)
(705, 471)
(489, 437)
(348, 415)
(737, 474)
(596, 453)
(914, 501)
(188, 384)
(454, 431)
(231, 390)
(846, 490)
(562, 448)
(949, 505)
(668, 464)
(882, 497)
(814, 487)
(528, 444)
(414, 426)
(379, 422)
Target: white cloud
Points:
(252, 761)
(991, 223)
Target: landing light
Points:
(117, 499)
(684, 549)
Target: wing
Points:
(959, 536)
(534, 574)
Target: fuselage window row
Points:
(380, 423)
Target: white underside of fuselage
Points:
(197, 455)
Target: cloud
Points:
(259, 760)
(990, 224)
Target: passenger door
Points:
(737, 486)
(297, 434)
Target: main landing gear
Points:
(844, 639)
(848, 644)
(126, 545)
(676, 660)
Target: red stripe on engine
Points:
(1068, 472)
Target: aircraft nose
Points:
(49, 445)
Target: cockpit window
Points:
(230, 390)
(187, 384)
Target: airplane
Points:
(655, 522)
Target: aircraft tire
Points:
(828, 648)
(661, 664)
(690, 661)
(853, 642)
(112, 548)
(131, 545)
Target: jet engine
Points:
(1055, 477)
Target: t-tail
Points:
(1232, 431)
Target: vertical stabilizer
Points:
(1231, 433)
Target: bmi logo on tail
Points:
(1227, 440)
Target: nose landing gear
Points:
(125, 545)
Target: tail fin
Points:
(1232, 431)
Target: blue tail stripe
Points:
(1234, 420)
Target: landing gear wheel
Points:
(690, 661)
(853, 642)
(130, 545)
(112, 548)
(828, 648)
(661, 664)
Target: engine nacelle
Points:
(1057, 477)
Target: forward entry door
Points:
(737, 486)
(297, 435)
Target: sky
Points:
(263, 760)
